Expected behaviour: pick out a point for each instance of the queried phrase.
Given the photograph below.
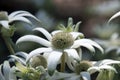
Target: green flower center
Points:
(3, 15)
(62, 40)
(82, 66)
(38, 61)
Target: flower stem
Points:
(62, 67)
(7, 41)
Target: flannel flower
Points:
(105, 68)
(6, 20)
(61, 45)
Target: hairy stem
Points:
(62, 67)
(7, 41)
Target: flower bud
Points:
(37, 61)
(82, 66)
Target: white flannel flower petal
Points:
(73, 53)
(85, 75)
(102, 67)
(6, 19)
(87, 43)
(105, 72)
(106, 62)
(6, 72)
(114, 16)
(105, 68)
(21, 16)
(37, 52)
(53, 63)
(34, 39)
(5, 24)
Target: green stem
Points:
(62, 63)
(8, 44)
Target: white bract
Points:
(114, 16)
(58, 43)
(15, 16)
(6, 72)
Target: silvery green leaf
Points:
(45, 32)
(33, 38)
(114, 16)
(6, 70)
(1, 74)
(77, 26)
(62, 27)
(70, 22)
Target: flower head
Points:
(82, 66)
(105, 68)
(59, 43)
(6, 19)
(62, 40)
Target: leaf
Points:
(70, 22)
(77, 26)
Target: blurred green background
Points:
(94, 15)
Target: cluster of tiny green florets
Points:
(62, 40)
